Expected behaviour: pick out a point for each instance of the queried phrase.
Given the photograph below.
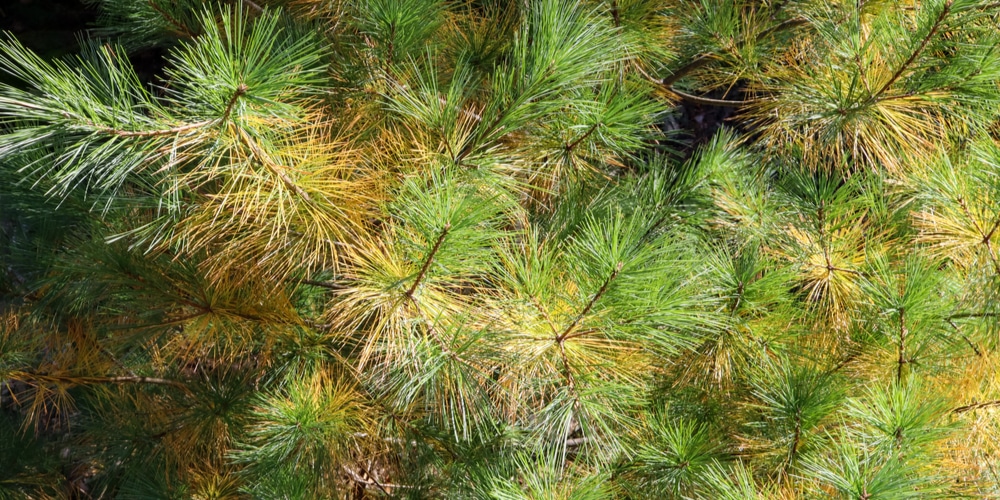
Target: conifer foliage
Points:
(502, 249)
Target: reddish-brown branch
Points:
(253, 5)
(590, 305)
(428, 260)
(593, 128)
(240, 91)
(976, 406)
(920, 48)
(170, 19)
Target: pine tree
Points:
(497, 249)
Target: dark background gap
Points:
(53, 29)
(49, 27)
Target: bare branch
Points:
(976, 406)
(323, 284)
(708, 101)
(253, 5)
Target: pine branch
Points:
(843, 363)
(170, 19)
(796, 437)
(241, 89)
(109, 355)
(832, 268)
(593, 300)
(545, 315)
(324, 284)
(152, 133)
(958, 330)
(428, 260)
(968, 213)
(616, 14)
(722, 103)
(986, 238)
(782, 26)
(266, 160)
(252, 5)
(476, 117)
(431, 329)
(131, 380)
(695, 63)
(567, 372)
(82, 380)
(976, 406)
(704, 59)
(902, 346)
(570, 147)
(972, 315)
(360, 480)
(471, 145)
(411, 293)
(920, 48)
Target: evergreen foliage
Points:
(496, 249)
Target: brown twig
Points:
(593, 300)
(253, 5)
(272, 166)
(170, 19)
(241, 90)
(360, 480)
(81, 380)
(695, 63)
(964, 337)
(323, 284)
(920, 48)
(571, 146)
(428, 260)
(975, 406)
(722, 103)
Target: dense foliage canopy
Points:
(512, 249)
